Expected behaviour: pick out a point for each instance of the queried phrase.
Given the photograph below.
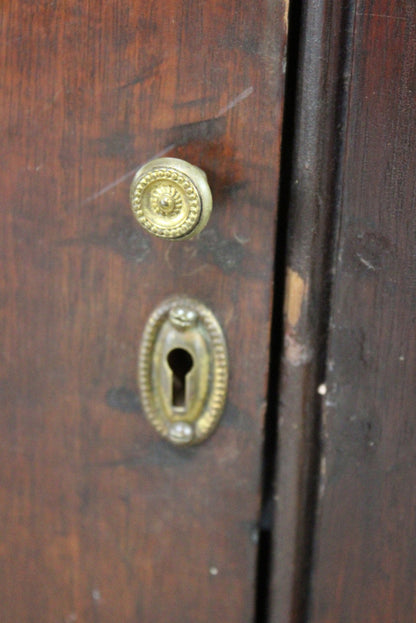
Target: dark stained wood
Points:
(100, 520)
(364, 561)
(309, 195)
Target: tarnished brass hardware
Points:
(183, 371)
(171, 198)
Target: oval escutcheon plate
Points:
(183, 370)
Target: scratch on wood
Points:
(384, 16)
(244, 95)
(296, 289)
(186, 268)
(108, 187)
(365, 262)
(241, 239)
(124, 177)
(229, 317)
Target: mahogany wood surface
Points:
(319, 34)
(100, 520)
(364, 561)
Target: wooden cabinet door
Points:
(364, 553)
(101, 520)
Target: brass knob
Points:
(171, 198)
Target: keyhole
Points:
(180, 362)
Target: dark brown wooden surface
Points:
(100, 520)
(319, 31)
(364, 562)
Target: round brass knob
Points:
(171, 198)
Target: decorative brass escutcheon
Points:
(183, 371)
(171, 198)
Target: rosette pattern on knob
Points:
(171, 198)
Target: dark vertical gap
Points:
(264, 555)
(339, 122)
(337, 127)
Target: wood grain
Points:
(100, 519)
(309, 198)
(364, 545)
